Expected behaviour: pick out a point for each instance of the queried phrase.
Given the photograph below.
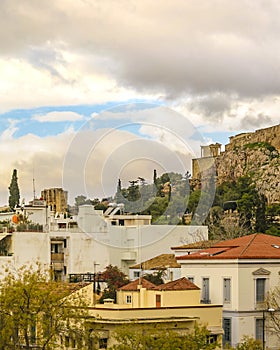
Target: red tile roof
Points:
(133, 286)
(255, 246)
(180, 284)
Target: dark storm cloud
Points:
(251, 122)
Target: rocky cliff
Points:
(256, 154)
(260, 160)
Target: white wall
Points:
(242, 308)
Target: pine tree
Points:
(14, 191)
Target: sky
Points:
(92, 91)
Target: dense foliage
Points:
(236, 209)
(137, 338)
(34, 310)
(114, 279)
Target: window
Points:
(191, 279)
(103, 343)
(171, 275)
(205, 298)
(260, 290)
(227, 287)
(212, 338)
(259, 329)
(227, 331)
(128, 299)
(136, 274)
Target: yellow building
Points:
(173, 306)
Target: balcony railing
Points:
(57, 257)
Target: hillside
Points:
(259, 160)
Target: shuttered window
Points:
(227, 290)
(260, 290)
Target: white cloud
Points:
(215, 62)
(8, 133)
(57, 116)
(43, 155)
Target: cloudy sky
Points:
(212, 67)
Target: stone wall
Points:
(258, 161)
(270, 135)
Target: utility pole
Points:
(94, 282)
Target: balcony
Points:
(128, 255)
(57, 257)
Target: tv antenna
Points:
(33, 181)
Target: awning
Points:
(215, 330)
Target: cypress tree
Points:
(14, 191)
(119, 195)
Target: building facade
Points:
(238, 273)
(173, 306)
(90, 242)
(56, 199)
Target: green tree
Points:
(137, 337)
(119, 195)
(260, 225)
(80, 200)
(247, 343)
(34, 310)
(156, 277)
(14, 191)
(133, 191)
(115, 279)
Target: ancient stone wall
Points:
(258, 161)
(270, 135)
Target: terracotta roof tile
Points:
(180, 284)
(133, 286)
(254, 246)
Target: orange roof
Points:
(180, 284)
(254, 246)
(133, 286)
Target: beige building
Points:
(238, 273)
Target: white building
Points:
(91, 242)
(237, 273)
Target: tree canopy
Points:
(137, 338)
(115, 279)
(14, 191)
(34, 310)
